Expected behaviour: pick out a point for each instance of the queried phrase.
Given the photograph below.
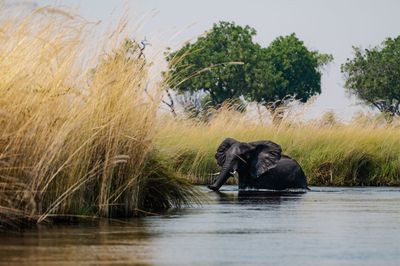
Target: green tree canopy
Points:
(373, 75)
(288, 69)
(216, 63)
(226, 64)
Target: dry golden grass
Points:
(364, 152)
(76, 141)
(87, 141)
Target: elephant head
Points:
(253, 159)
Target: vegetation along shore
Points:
(361, 153)
(82, 134)
(77, 142)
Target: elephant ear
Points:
(267, 154)
(223, 147)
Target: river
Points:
(326, 226)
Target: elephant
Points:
(259, 164)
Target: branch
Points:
(170, 104)
(144, 43)
(383, 106)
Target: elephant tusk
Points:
(216, 173)
(233, 173)
(243, 160)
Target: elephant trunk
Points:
(222, 178)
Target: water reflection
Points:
(88, 242)
(327, 226)
(258, 197)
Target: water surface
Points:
(327, 226)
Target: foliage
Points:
(216, 63)
(226, 64)
(288, 68)
(374, 76)
(330, 154)
(75, 142)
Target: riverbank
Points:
(331, 154)
(76, 132)
(85, 137)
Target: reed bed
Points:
(359, 153)
(83, 135)
(77, 140)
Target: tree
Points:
(374, 76)
(226, 64)
(217, 63)
(288, 69)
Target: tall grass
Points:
(330, 153)
(75, 140)
(81, 139)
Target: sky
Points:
(327, 26)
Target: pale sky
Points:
(325, 25)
